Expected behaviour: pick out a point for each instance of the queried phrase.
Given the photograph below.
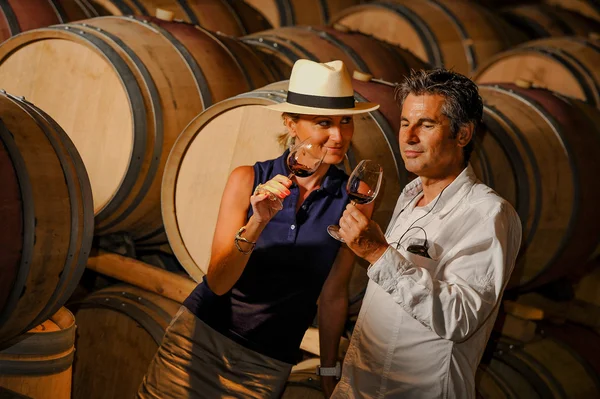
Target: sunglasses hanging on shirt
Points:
(418, 249)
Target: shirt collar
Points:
(332, 182)
(451, 195)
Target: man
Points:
(436, 278)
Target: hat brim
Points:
(359, 108)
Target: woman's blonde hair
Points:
(286, 140)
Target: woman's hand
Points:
(267, 198)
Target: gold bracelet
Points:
(239, 238)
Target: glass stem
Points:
(290, 176)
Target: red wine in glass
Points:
(363, 186)
(361, 199)
(297, 168)
(303, 160)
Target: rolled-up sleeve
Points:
(468, 281)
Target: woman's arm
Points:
(333, 308)
(227, 262)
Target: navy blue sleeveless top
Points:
(272, 304)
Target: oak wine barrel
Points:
(199, 165)
(214, 15)
(542, 20)
(539, 151)
(556, 364)
(151, 80)
(587, 288)
(16, 16)
(10, 394)
(284, 46)
(251, 18)
(74, 10)
(219, 55)
(497, 4)
(47, 217)
(119, 329)
(568, 65)
(455, 34)
(589, 8)
(300, 12)
(39, 363)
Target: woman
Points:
(238, 334)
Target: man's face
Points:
(426, 142)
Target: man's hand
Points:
(328, 385)
(362, 235)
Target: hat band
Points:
(307, 100)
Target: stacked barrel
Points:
(121, 120)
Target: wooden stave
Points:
(39, 362)
(252, 65)
(16, 18)
(108, 7)
(191, 12)
(194, 38)
(297, 12)
(74, 10)
(22, 312)
(147, 314)
(430, 44)
(584, 7)
(542, 20)
(576, 55)
(573, 244)
(251, 18)
(286, 45)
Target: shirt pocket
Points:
(421, 261)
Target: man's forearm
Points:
(376, 252)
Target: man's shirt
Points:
(424, 322)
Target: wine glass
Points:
(303, 160)
(363, 186)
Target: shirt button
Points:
(293, 226)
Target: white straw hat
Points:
(321, 89)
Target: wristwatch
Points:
(330, 371)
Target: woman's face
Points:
(331, 132)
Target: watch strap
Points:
(330, 371)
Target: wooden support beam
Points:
(141, 275)
(522, 311)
